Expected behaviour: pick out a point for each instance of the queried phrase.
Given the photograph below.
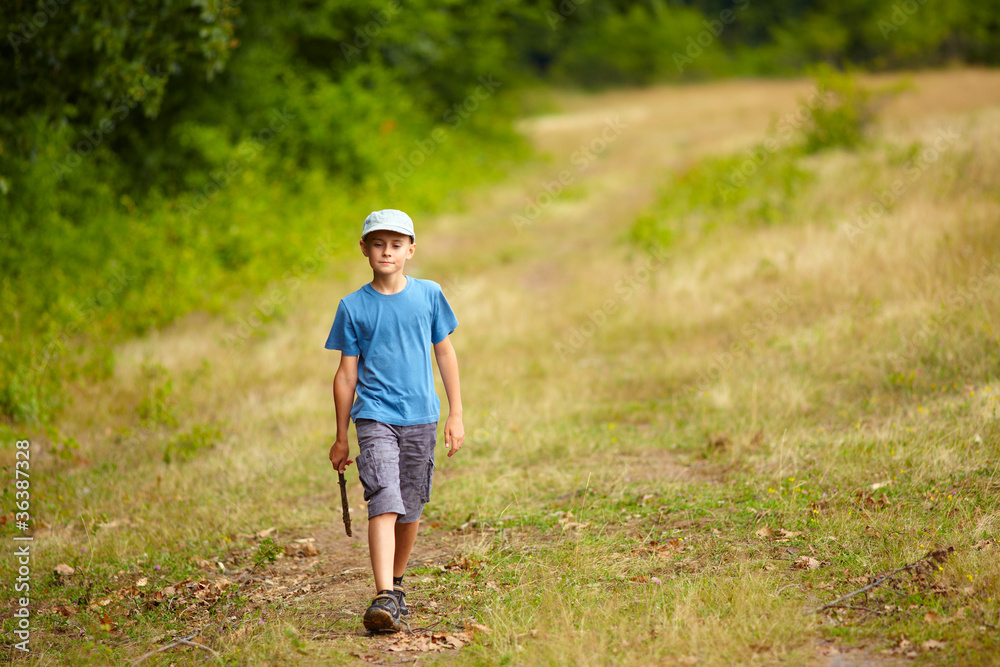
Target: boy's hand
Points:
(454, 433)
(338, 455)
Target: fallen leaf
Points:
(932, 617)
(667, 549)
(764, 532)
(142, 582)
(65, 611)
(940, 555)
(265, 532)
(806, 563)
(720, 441)
(476, 627)
(790, 533)
(64, 570)
(932, 644)
(459, 563)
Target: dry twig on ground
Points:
(937, 556)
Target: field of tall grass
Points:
(710, 388)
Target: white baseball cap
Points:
(388, 219)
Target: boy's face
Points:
(387, 252)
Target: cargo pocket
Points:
(426, 495)
(368, 473)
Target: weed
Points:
(845, 111)
(188, 444)
(267, 552)
(757, 187)
(156, 407)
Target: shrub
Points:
(755, 187)
(187, 445)
(842, 115)
(845, 111)
(267, 552)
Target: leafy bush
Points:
(842, 115)
(755, 187)
(156, 407)
(267, 552)
(844, 111)
(187, 445)
(639, 46)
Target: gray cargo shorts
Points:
(396, 467)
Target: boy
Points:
(383, 332)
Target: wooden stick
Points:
(778, 592)
(343, 503)
(938, 556)
(179, 641)
(847, 606)
(188, 642)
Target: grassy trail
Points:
(628, 494)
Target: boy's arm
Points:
(344, 384)
(454, 430)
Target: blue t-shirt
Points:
(391, 334)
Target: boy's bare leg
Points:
(382, 547)
(406, 535)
